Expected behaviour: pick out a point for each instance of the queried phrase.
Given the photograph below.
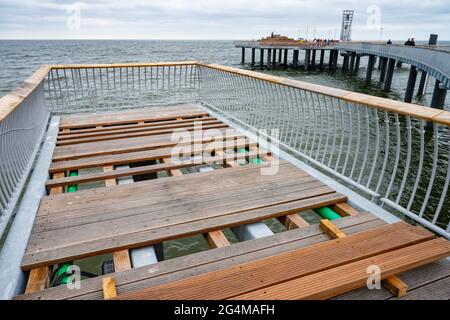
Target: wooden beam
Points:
(122, 260)
(293, 221)
(111, 181)
(331, 229)
(392, 283)
(344, 209)
(216, 239)
(37, 280)
(109, 288)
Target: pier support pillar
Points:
(383, 65)
(357, 61)
(285, 62)
(380, 63)
(423, 79)
(330, 58)
(307, 58)
(411, 84)
(389, 75)
(313, 57)
(243, 55)
(269, 57)
(295, 59)
(279, 55)
(399, 64)
(370, 65)
(345, 63)
(253, 56)
(439, 94)
(352, 61)
(322, 57)
(274, 56)
(335, 59)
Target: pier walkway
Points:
(306, 261)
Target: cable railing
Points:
(396, 154)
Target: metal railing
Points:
(23, 119)
(394, 153)
(108, 87)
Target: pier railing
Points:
(23, 120)
(394, 153)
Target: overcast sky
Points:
(220, 19)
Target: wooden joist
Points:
(109, 288)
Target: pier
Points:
(218, 152)
(428, 61)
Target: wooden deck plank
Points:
(130, 116)
(87, 202)
(140, 156)
(210, 260)
(415, 279)
(142, 235)
(142, 133)
(332, 282)
(108, 131)
(153, 213)
(140, 124)
(135, 144)
(284, 267)
(144, 169)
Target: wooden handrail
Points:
(124, 65)
(12, 100)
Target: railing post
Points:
(389, 75)
(411, 84)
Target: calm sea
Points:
(19, 59)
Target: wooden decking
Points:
(111, 218)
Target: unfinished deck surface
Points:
(112, 218)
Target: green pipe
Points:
(327, 213)
(72, 188)
(256, 160)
